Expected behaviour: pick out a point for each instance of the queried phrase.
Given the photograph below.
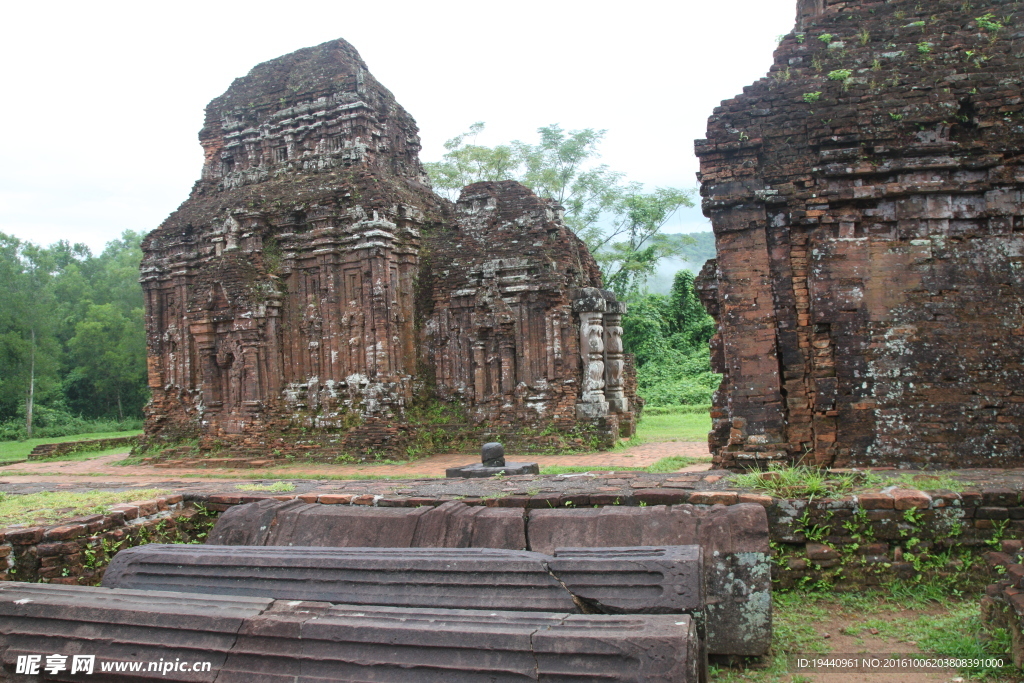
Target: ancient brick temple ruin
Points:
(866, 203)
(314, 290)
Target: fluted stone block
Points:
(255, 640)
(639, 580)
(734, 540)
(664, 580)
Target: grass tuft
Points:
(801, 481)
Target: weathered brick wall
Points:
(866, 203)
(282, 298)
(52, 450)
(77, 550)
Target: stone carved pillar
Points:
(479, 373)
(614, 362)
(590, 306)
(206, 347)
(508, 366)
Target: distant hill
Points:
(700, 252)
(692, 259)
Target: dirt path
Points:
(106, 468)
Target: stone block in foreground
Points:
(734, 539)
(248, 640)
(665, 580)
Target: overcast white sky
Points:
(104, 99)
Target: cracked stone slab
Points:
(664, 580)
(734, 540)
(638, 580)
(252, 640)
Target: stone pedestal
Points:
(481, 470)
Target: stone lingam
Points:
(492, 462)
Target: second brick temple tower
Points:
(313, 294)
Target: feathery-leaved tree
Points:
(619, 222)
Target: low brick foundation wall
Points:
(52, 450)
(77, 550)
(848, 542)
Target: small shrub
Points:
(839, 75)
(825, 38)
(988, 22)
(924, 48)
(801, 481)
(810, 97)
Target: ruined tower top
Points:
(275, 120)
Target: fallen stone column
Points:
(666, 580)
(255, 639)
(734, 539)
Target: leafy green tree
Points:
(669, 337)
(29, 352)
(72, 339)
(108, 354)
(467, 163)
(619, 222)
(626, 263)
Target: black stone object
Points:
(492, 457)
(492, 454)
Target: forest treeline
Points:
(73, 343)
(669, 335)
(72, 338)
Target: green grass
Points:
(19, 450)
(277, 486)
(674, 427)
(670, 464)
(677, 410)
(952, 627)
(47, 507)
